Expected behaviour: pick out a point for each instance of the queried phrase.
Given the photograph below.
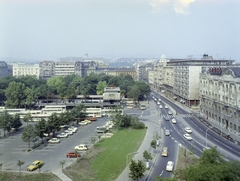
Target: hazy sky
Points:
(49, 29)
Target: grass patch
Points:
(107, 159)
(109, 164)
(28, 176)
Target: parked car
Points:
(101, 129)
(165, 151)
(72, 154)
(82, 123)
(37, 140)
(167, 132)
(54, 140)
(35, 165)
(62, 135)
(188, 130)
(73, 129)
(187, 137)
(170, 166)
(48, 134)
(174, 121)
(88, 121)
(81, 147)
(68, 132)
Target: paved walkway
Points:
(152, 130)
(61, 175)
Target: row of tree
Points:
(24, 91)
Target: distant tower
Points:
(86, 55)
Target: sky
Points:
(51, 29)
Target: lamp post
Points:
(206, 135)
(127, 163)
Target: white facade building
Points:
(23, 69)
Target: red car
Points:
(72, 154)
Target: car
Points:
(54, 140)
(73, 129)
(166, 107)
(158, 103)
(167, 132)
(206, 148)
(165, 151)
(35, 165)
(88, 121)
(68, 132)
(62, 135)
(72, 154)
(187, 137)
(47, 134)
(169, 166)
(37, 140)
(169, 112)
(174, 121)
(82, 123)
(81, 147)
(160, 106)
(188, 130)
(167, 118)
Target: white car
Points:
(54, 140)
(166, 107)
(174, 121)
(47, 134)
(187, 137)
(158, 103)
(188, 130)
(81, 147)
(160, 106)
(82, 123)
(68, 132)
(73, 129)
(169, 166)
(62, 135)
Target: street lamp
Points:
(127, 163)
(206, 135)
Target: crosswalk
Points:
(179, 115)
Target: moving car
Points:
(188, 130)
(167, 118)
(167, 132)
(169, 166)
(54, 140)
(160, 106)
(72, 154)
(35, 165)
(187, 137)
(166, 107)
(170, 113)
(81, 147)
(62, 135)
(165, 151)
(158, 103)
(174, 121)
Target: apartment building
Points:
(179, 78)
(47, 69)
(220, 98)
(23, 69)
(126, 71)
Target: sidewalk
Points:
(61, 175)
(151, 128)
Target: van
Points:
(165, 151)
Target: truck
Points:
(142, 106)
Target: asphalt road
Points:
(12, 149)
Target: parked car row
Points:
(68, 132)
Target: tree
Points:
(5, 121)
(15, 94)
(41, 128)
(1, 166)
(15, 122)
(100, 87)
(62, 163)
(147, 156)
(134, 93)
(78, 112)
(153, 144)
(53, 123)
(137, 169)
(28, 134)
(27, 118)
(19, 164)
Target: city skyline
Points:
(47, 30)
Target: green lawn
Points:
(109, 164)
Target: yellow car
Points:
(165, 151)
(35, 165)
